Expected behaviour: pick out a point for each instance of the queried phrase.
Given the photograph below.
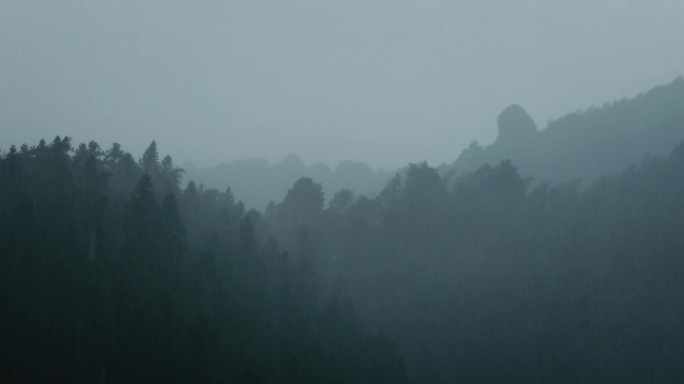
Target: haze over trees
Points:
(114, 271)
(585, 144)
(256, 182)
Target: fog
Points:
(384, 82)
(341, 192)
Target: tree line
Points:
(113, 272)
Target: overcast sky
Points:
(387, 82)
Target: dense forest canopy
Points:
(113, 271)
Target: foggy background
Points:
(385, 82)
(305, 241)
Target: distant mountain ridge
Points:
(256, 182)
(580, 145)
(585, 144)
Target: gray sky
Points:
(386, 82)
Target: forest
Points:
(585, 144)
(255, 182)
(115, 270)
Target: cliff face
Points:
(515, 124)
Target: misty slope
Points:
(586, 144)
(256, 182)
(109, 268)
(478, 278)
(481, 279)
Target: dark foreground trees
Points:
(110, 273)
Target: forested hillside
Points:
(582, 145)
(111, 271)
(585, 144)
(481, 279)
(329, 215)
